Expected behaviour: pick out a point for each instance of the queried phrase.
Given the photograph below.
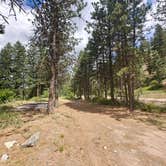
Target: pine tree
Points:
(38, 72)
(112, 48)
(158, 55)
(6, 66)
(55, 29)
(19, 68)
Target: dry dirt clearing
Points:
(82, 134)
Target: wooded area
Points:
(119, 57)
(106, 101)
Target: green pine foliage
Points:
(112, 59)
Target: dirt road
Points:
(81, 134)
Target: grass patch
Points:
(39, 99)
(8, 117)
(149, 92)
(61, 149)
(150, 107)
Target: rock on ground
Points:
(10, 144)
(4, 157)
(32, 140)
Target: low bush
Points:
(6, 95)
(104, 101)
(154, 85)
(39, 99)
(45, 94)
(67, 92)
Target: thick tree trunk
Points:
(52, 102)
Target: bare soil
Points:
(82, 134)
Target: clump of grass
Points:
(61, 149)
(39, 99)
(59, 143)
(62, 136)
(9, 118)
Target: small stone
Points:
(115, 151)
(10, 144)
(4, 157)
(105, 147)
(31, 141)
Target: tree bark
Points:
(131, 92)
(52, 102)
(111, 75)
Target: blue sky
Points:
(31, 3)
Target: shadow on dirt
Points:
(120, 113)
(32, 107)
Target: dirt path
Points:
(81, 134)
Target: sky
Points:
(21, 28)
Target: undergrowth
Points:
(8, 117)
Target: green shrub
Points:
(104, 101)
(95, 99)
(150, 107)
(67, 92)
(45, 94)
(39, 99)
(6, 95)
(154, 85)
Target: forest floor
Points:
(83, 134)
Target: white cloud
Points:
(81, 23)
(22, 29)
(149, 27)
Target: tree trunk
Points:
(105, 88)
(23, 92)
(126, 93)
(52, 102)
(38, 90)
(131, 93)
(111, 76)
